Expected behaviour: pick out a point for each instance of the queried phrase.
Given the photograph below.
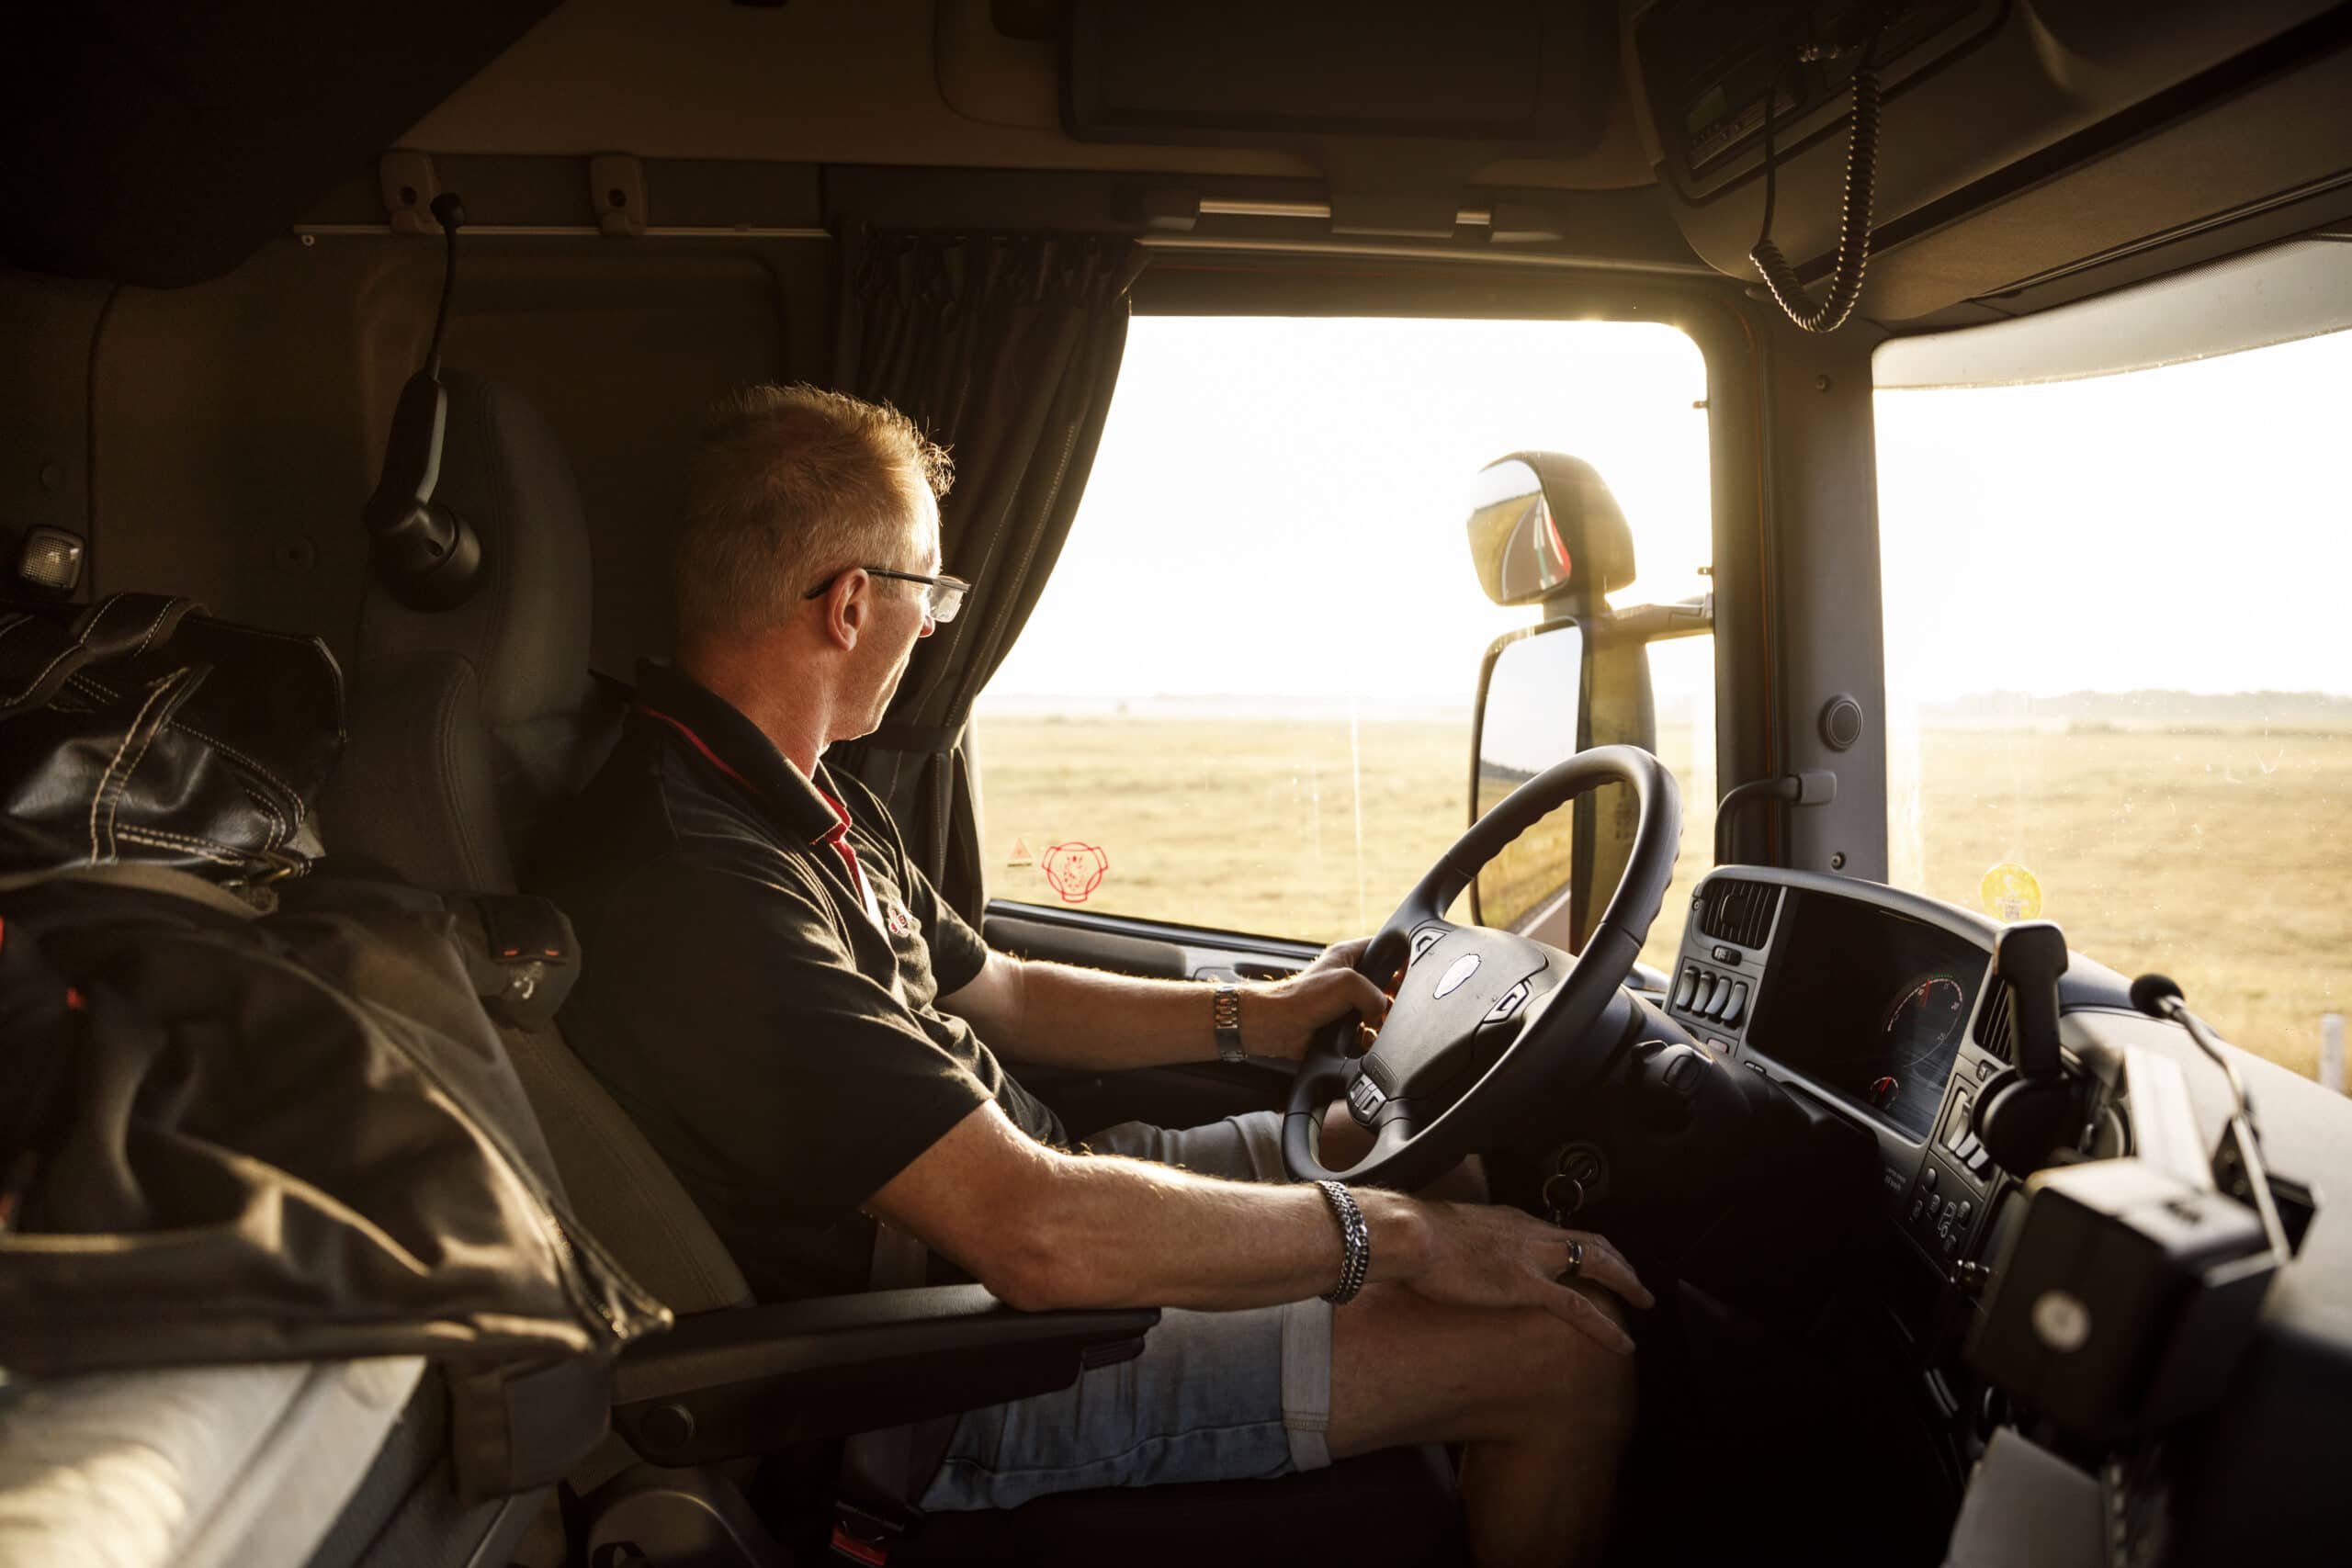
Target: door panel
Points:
(1129, 946)
(1183, 1096)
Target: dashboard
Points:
(1874, 1000)
(1879, 1007)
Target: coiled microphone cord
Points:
(1854, 221)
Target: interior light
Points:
(50, 559)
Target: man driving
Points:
(810, 1037)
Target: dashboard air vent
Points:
(1736, 911)
(1992, 1027)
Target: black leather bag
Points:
(141, 731)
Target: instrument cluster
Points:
(1873, 1000)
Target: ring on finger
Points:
(1576, 1260)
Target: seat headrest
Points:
(526, 629)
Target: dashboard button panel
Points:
(1704, 995)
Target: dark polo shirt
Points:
(763, 1009)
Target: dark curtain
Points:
(1005, 348)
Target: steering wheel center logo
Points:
(1075, 870)
(1458, 971)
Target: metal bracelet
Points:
(1355, 1240)
(1225, 1017)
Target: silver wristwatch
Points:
(1225, 1013)
(1355, 1244)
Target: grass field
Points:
(2219, 857)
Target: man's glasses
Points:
(943, 595)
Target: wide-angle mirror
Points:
(1543, 526)
(1530, 716)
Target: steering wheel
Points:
(1484, 1021)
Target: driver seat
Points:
(466, 727)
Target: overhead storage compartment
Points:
(2117, 126)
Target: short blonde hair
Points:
(788, 483)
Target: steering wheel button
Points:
(1509, 1004)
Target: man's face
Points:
(900, 615)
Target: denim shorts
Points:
(1214, 1396)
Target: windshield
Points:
(2119, 675)
(1244, 699)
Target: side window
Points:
(1244, 701)
(2118, 692)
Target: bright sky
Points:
(1277, 512)
(1278, 508)
(2187, 528)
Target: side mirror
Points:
(1546, 530)
(1543, 528)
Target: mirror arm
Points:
(1658, 623)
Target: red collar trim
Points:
(832, 835)
(696, 741)
(839, 829)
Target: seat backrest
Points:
(467, 722)
(466, 726)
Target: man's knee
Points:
(1568, 1374)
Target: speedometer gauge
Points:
(1921, 1024)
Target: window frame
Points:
(1705, 308)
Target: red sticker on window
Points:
(1075, 871)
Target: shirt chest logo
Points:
(895, 916)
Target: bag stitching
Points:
(279, 831)
(190, 841)
(114, 809)
(293, 794)
(158, 621)
(64, 653)
(197, 847)
(98, 794)
(79, 643)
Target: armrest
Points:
(749, 1379)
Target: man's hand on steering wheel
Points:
(1281, 1018)
(1491, 1257)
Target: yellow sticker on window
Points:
(2010, 892)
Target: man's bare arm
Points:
(1043, 1229)
(1062, 1016)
